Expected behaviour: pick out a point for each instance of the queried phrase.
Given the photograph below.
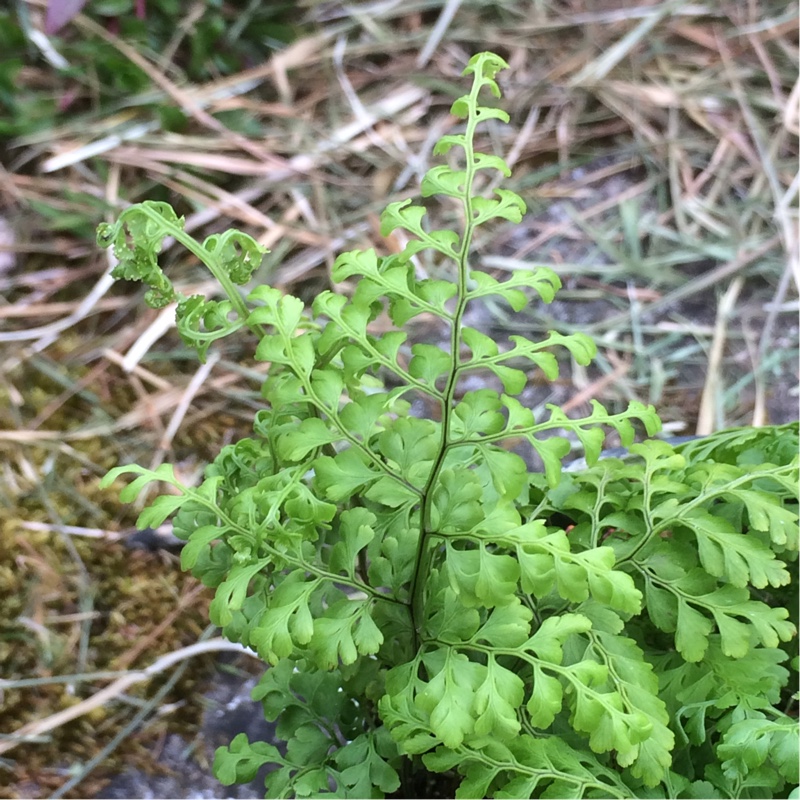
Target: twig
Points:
(118, 687)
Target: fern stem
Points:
(424, 550)
(229, 287)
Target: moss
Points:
(61, 593)
(134, 605)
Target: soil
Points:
(184, 765)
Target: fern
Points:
(424, 600)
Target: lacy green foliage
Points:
(425, 601)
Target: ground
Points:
(656, 149)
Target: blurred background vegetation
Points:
(655, 143)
